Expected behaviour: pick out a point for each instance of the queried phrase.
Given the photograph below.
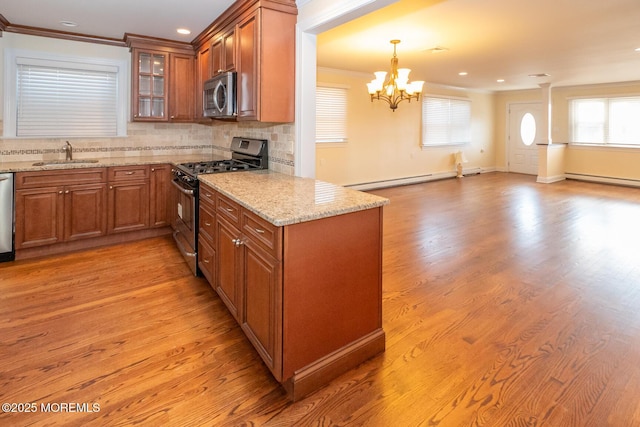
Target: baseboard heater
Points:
(412, 179)
(604, 179)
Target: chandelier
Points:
(397, 88)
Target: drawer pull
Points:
(229, 209)
(208, 195)
(208, 224)
(129, 173)
(206, 261)
(259, 231)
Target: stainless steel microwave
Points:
(219, 97)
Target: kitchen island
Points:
(298, 262)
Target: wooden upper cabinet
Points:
(266, 66)
(181, 88)
(248, 72)
(223, 52)
(203, 73)
(255, 38)
(150, 85)
(162, 80)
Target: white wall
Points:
(386, 146)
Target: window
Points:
(53, 96)
(445, 121)
(331, 114)
(605, 120)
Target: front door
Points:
(524, 133)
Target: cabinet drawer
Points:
(37, 179)
(263, 233)
(207, 224)
(207, 197)
(229, 209)
(129, 173)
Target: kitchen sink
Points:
(64, 162)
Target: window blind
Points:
(606, 120)
(445, 121)
(55, 100)
(331, 114)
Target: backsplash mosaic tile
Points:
(161, 139)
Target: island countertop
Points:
(284, 200)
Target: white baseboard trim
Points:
(551, 179)
(415, 179)
(604, 179)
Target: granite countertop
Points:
(106, 162)
(284, 200)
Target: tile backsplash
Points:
(144, 139)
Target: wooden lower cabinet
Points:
(261, 314)
(129, 200)
(308, 296)
(128, 206)
(160, 196)
(85, 216)
(228, 266)
(62, 210)
(50, 214)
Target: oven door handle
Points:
(181, 246)
(182, 190)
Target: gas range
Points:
(246, 154)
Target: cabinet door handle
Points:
(111, 187)
(60, 192)
(66, 192)
(153, 169)
(237, 242)
(206, 261)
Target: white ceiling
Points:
(574, 41)
(114, 18)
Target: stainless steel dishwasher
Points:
(7, 252)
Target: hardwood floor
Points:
(506, 303)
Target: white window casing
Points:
(49, 96)
(445, 121)
(331, 114)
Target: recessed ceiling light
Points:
(638, 49)
(500, 80)
(184, 31)
(462, 73)
(68, 24)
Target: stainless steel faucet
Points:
(69, 150)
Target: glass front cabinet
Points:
(150, 85)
